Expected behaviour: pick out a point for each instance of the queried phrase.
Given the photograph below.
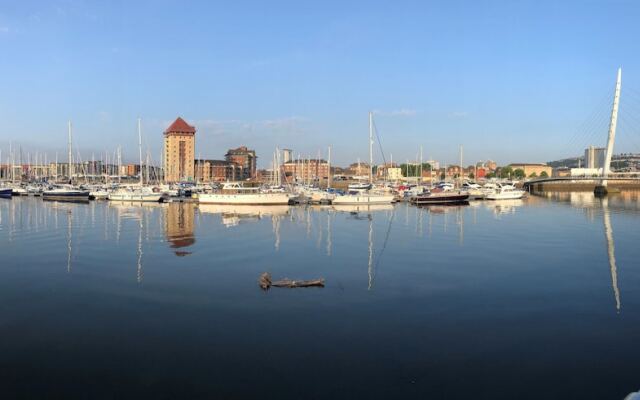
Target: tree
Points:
(506, 172)
(413, 169)
(519, 173)
(533, 175)
(471, 175)
(490, 175)
(544, 174)
(442, 176)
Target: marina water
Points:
(535, 298)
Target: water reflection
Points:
(608, 232)
(179, 227)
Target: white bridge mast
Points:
(612, 129)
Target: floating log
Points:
(265, 282)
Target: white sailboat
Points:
(366, 196)
(139, 193)
(67, 192)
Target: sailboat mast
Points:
(70, 166)
(329, 176)
(370, 147)
(140, 150)
(461, 168)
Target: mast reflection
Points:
(608, 233)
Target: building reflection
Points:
(178, 227)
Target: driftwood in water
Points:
(265, 282)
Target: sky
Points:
(511, 81)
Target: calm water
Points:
(528, 299)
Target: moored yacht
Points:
(136, 193)
(366, 196)
(505, 192)
(438, 196)
(5, 192)
(236, 193)
(66, 193)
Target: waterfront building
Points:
(246, 159)
(287, 155)
(435, 165)
(594, 157)
(389, 171)
(179, 151)
(132, 169)
(360, 169)
(310, 170)
(531, 169)
(207, 171)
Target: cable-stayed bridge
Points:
(594, 128)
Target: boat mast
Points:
(461, 168)
(140, 151)
(612, 129)
(370, 148)
(70, 166)
(329, 168)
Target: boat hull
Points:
(151, 198)
(258, 199)
(440, 199)
(505, 196)
(66, 196)
(6, 193)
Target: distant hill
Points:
(567, 162)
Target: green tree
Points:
(506, 172)
(544, 174)
(490, 175)
(533, 175)
(442, 176)
(471, 175)
(414, 169)
(519, 173)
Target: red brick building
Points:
(306, 170)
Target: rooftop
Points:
(180, 126)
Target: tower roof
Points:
(180, 126)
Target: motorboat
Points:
(19, 191)
(438, 196)
(505, 192)
(236, 193)
(365, 197)
(360, 186)
(6, 192)
(65, 193)
(135, 194)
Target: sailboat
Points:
(367, 196)
(137, 193)
(67, 192)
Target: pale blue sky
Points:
(513, 81)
